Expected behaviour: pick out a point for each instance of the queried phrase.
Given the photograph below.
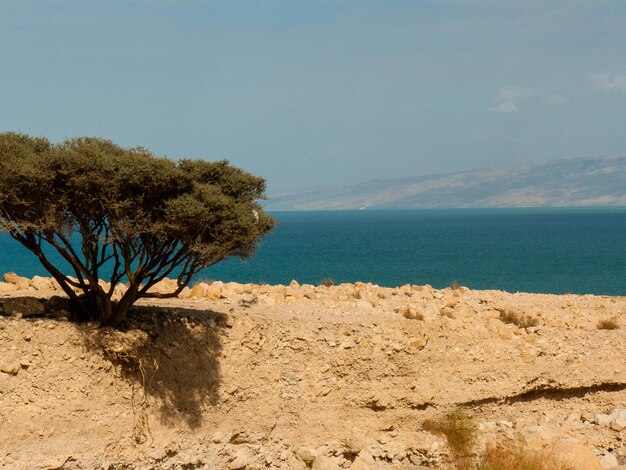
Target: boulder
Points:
(576, 456)
(214, 291)
(19, 281)
(165, 286)
(618, 419)
(7, 288)
(609, 461)
(24, 306)
(199, 290)
(322, 462)
(364, 461)
(10, 365)
(306, 454)
(41, 283)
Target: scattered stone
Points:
(200, 290)
(244, 458)
(20, 282)
(10, 366)
(7, 288)
(41, 283)
(577, 456)
(322, 462)
(306, 454)
(214, 291)
(609, 460)
(602, 420)
(618, 419)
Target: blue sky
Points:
(322, 92)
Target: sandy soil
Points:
(245, 376)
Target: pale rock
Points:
(609, 460)
(364, 461)
(104, 285)
(406, 290)
(539, 435)
(185, 293)
(244, 458)
(268, 301)
(233, 288)
(24, 306)
(214, 291)
(573, 453)
(200, 290)
(364, 304)
(119, 291)
(19, 281)
(294, 284)
(618, 419)
(248, 299)
(353, 444)
(41, 283)
(602, 419)
(306, 454)
(7, 288)
(322, 462)
(10, 365)
(164, 286)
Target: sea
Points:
(547, 250)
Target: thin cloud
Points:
(508, 97)
(556, 100)
(607, 82)
(506, 107)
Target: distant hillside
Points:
(579, 182)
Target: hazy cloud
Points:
(508, 98)
(556, 100)
(608, 82)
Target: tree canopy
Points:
(125, 214)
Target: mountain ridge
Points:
(585, 181)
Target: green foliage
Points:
(96, 203)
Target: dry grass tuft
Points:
(411, 313)
(517, 319)
(328, 282)
(455, 285)
(460, 431)
(512, 457)
(608, 324)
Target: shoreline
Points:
(257, 376)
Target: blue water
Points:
(531, 250)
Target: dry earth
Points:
(248, 377)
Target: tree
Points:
(125, 215)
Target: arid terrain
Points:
(234, 376)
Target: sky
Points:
(311, 93)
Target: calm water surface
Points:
(532, 250)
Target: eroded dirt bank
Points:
(243, 376)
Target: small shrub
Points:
(608, 324)
(517, 319)
(411, 314)
(455, 285)
(328, 282)
(460, 431)
(512, 457)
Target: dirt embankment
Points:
(247, 377)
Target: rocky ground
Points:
(234, 376)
